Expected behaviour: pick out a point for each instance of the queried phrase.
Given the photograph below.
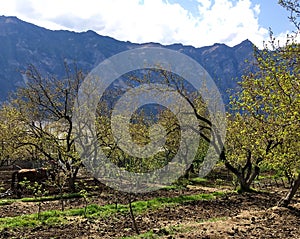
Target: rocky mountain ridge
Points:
(23, 43)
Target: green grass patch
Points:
(40, 199)
(156, 203)
(20, 221)
(51, 198)
(198, 180)
(95, 211)
(6, 202)
(173, 187)
(216, 219)
(147, 235)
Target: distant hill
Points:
(23, 43)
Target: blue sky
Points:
(190, 22)
(274, 16)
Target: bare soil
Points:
(235, 215)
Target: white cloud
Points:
(282, 39)
(148, 20)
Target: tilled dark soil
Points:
(232, 216)
(241, 216)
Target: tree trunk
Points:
(244, 183)
(190, 171)
(71, 183)
(244, 186)
(135, 226)
(72, 178)
(244, 180)
(287, 200)
(245, 175)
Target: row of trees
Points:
(263, 122)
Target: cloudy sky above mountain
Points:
(190, 22)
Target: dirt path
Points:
(272, 223)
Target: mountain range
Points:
(22, 43)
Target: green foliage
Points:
(12, 131)
(272, 97)
(244, 136)
(38, 190)
(264, 130)
(85, 196)
(270, 100)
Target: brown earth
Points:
(232, 216)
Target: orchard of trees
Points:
(263, 120)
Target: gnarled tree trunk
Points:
(245, 175)
(287, 200)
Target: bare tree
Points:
(45, 104)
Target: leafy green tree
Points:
(272, 97)
(246, 147)
(12, 129)
(266, 127)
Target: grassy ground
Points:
(53, 217)
(202, 208)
